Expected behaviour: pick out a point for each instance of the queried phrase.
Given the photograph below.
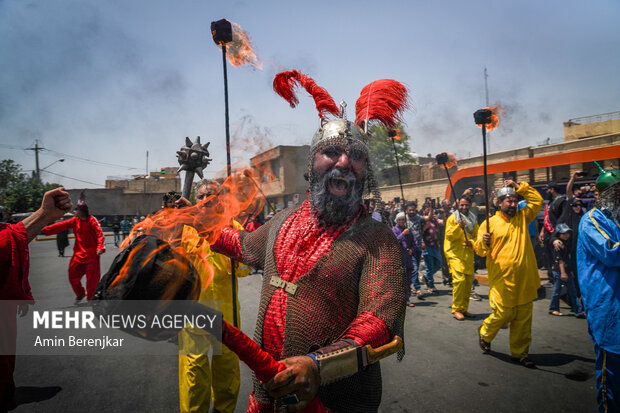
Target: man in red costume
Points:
(89, 245)
(334, 279)
(14, 285)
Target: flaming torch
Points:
(230, 35)
(447, 161)
(487, 119)
(394, 134)
(226, 33)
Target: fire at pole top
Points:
(488, 116)
(239, 49)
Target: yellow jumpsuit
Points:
(513, 273)
(200, 382)
(460, 258)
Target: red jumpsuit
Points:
(14, 265)
(88, 239)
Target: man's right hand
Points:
(182, 203)
(55, 204)
(486, 237)
(406, 231)
(557, 244)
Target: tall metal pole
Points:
(229, 172)
(402, 194)
(454, 196)
(486, 95)
(228, 161)
(486, 184)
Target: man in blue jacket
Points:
(598, 249)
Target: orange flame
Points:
(240, 50)
(397, 136)
(496, 110)
(237, 196)
(452, 160)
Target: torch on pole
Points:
(443, 160)
(482, 117)
(222, 33)
(392, 134)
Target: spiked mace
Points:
(193, 158)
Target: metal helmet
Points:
(505, 191)
(343, 130)
(606, 179)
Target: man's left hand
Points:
(22, 309)
(510, 182)
(300, 378)
(99, 252)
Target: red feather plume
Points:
(383, 100)
(284, 84)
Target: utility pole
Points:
(36, 150)
(486, 94)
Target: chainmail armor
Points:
(363, 271)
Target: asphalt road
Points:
(443, 371)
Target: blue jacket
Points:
(598, 265)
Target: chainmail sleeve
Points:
(247, 247)
(382, 291)
(382, 288)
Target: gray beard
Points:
(336, 209)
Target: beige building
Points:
(166, 180)
(134, 195)
(283, 169)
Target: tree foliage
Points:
(382, 150)
(20, 192)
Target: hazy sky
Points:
(109, 80)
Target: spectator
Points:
(62, 241)
(116, 228)
(409, 246)
(444, 212)
(431, 254)
(126, 227)
(553, 211)
(563, 272)
(415, 222)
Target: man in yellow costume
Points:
(461, 232)
(201, 381)
(513, 273)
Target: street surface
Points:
(443, 370)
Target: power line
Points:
(70, 156)
(75, 179)
(90, 160)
